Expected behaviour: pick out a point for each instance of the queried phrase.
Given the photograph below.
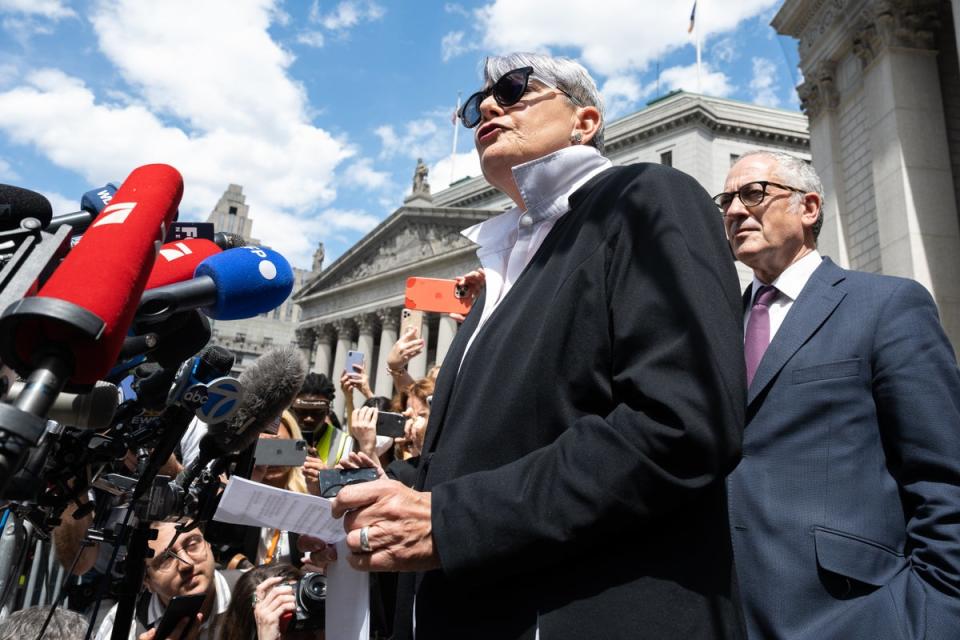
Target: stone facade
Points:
(882, 94)
(355, 303)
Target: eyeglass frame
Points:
(170, 553)
(482, 94)
(763, 194)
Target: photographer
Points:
(262, 598)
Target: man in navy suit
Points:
(845, 509)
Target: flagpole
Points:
(456, 129)
(696, 34)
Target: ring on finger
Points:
(365, 539)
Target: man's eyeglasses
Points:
(193, 546)
(507, 91)
(307, 407)
(750, 194)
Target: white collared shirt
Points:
(508, 242)
(789, 284)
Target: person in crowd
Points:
(261, 598)
(845, 510)
(318, 423)
(185, 568)
(27, 623)
(408, 346)
(589, 407)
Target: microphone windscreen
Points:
(249, 281)
(178, 260)
(269, 386)
(17, 204)
(106, 272)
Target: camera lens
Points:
(313, 592)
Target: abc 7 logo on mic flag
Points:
(220, 401)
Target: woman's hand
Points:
(473, 283)
(321, 553)
(406, 347)
(358, 460)
(358, 380)
(312, 466)
(363, 428)
(270, 601)
(414, 430)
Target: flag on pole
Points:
(693, 17)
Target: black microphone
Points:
(269, 386)
(226, 240)
(17, 204)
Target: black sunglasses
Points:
(507, 91)
(750, 194)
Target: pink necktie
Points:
(758, 330)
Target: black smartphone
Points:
(390, 424)
(180, 607)
(277, 452)
(332, 480)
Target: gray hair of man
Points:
(563, 73)
(798, 173)
(26, 623)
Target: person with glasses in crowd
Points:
(845, 510)
(319, 425)
(185, 567)
(590, 406)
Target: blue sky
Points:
(320, 108)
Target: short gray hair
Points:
(565, 74)
(799, 173)
(26, 623)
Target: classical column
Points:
(323, 358)
(418, 365)
(305, 337)
(366, 326)
(446, 330)
(389, 325)
(344, 328)
(919, 235)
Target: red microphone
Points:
(178, 260)
(88, 303)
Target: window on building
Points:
(666, 158)
(232, 211)
(733, 158)
(276, 313)
(267, 341)
(288, 315)
(241, 338)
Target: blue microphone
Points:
(231, 285)
(92, 203)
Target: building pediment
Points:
(410, 236)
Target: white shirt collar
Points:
(794, 278)
(545, 185)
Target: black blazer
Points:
(576, 459)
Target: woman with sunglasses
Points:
(571, 483)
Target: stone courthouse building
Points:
(355, 302)
(882, 93)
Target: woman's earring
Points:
(576, 138)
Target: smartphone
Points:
(353, 357)
(180, 607)
(390, 424)
(437, 295)
(276, 452)
(332, 480)
(410, 318)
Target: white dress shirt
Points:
(508, 242)
(789, 284)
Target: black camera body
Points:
(311, 613)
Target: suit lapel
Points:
(816, 302)
(449, 370)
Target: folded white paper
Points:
(348, 599)
(258, 505)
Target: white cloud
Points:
(465, 165)
(421, 138)
(311, 38)
(456, 9)
(347, 220)
(246, 117)
(452, 45)
(8, 173)
(53, 9)
(763, 85)
(348, 14)
(362, 174)
(631, 34)
(621, 93)
(711, 83)
(61, 204)
(725, 50)
(8, 74)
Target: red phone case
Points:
(436, 295)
